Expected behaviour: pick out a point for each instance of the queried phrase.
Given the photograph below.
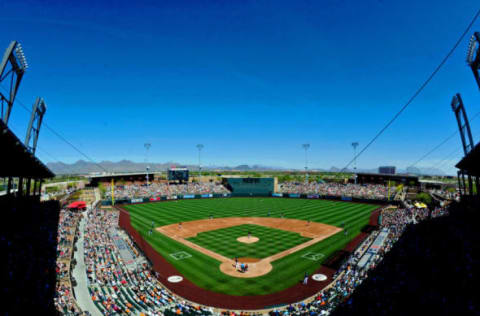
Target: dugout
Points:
(241, 186)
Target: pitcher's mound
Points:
(248, 240)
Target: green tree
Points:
(51, 189)
(424, 197)
(102, 189)
(399, 188)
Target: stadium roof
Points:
(471, 162)
(125, 174)
(388, 175)
(16, 160)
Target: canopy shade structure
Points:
(77, 205)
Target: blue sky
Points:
(251, 80)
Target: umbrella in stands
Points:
(79, 205)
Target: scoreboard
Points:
(178, 174)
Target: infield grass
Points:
(271, 241)
(287, 271)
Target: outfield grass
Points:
(271, 241)
(204, 270)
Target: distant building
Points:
(386, 170)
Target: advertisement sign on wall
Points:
(312, 196)
(294, 195)
(189, 196)
(277, 194)
(136, 200)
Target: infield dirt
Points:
(316, 231)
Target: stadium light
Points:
(306, 147)
(199, 147)
(21, 57)
(355, 145)
(473, 56)
(147, 147)
(472, 46)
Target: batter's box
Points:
(313, 256)
(180, 255)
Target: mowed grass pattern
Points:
(204, 270)
(271, 241)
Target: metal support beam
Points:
(463, 124)
(465, 135)
(20, 187)
(37, 187)
(29, 182)
(38, 111)
(9, 186)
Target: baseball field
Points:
(280, 239)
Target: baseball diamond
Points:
(295, 237)
(270, 242)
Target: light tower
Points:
(306, 147)
(147, 148)
(12, 68)
(355, 145)
(473, 56)
(199, 147)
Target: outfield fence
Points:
(273, 195)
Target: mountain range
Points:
(85, 167)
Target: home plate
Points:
(319, 277)
(174, 279)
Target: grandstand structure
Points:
(20, 164)
(94, 180)
(468, 166)
(29, 242)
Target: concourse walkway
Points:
(82, 294)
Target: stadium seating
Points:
(163, 189)
(118, 287)
(362, 191)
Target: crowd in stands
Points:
(67, 234)
(120, 288)
(117, 287)
(446, 194)
(363, 191)
(351, 275)
(155, 189)
(432, 270)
